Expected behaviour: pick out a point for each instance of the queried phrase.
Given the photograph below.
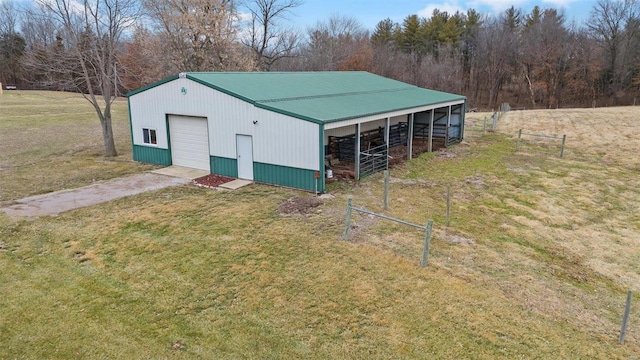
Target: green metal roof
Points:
(320, 97)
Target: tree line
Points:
(104, 48)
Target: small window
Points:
(149, 136)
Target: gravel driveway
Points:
(60, 201)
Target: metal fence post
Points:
(386, 190)
(448, 203)
(625, 318)
(564, 140)
(484, 128)
(427, 240)
(348, 225)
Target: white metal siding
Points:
(277, 139)
(189, 142)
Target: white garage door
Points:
(189, 138)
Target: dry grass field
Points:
(536, 262)
(558, 236)
(592, 203)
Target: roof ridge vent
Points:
(334, 95)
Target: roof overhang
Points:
(341, 123)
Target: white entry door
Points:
(244, 149)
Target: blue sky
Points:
(370, 12)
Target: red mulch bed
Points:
(212, 181)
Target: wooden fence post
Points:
(518, 141)
(484, 128)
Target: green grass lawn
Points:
(535, 264)
(52, 141)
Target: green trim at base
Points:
(152, 155)
(286, 176)
(270, 174)
(223, 166)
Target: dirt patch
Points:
(445, 154)
(211, 181)
(477, 181)
(300, 205)
(397, 155)
(177, 346)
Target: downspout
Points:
(410, 137)
(462, 116)
(386, 138)
(446, 136)
(430, 142)
(356, 166)
(322, 171)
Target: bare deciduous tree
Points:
(267, 38)
(92, 30)
(609, 22)
(586, 65)
(144, 60)
(200, 35)
(544, 55)
(12, 44)
(39, 32)
(515, 57)
(496, 42)
(8, 17)
(46, 60)
(335, 42)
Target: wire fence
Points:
(563, 138)
(427, 237)
(491, 123)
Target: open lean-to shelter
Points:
(288, 128)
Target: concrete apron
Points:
(65, 200)
(182, 172)
(191, 173)
(235, 184)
